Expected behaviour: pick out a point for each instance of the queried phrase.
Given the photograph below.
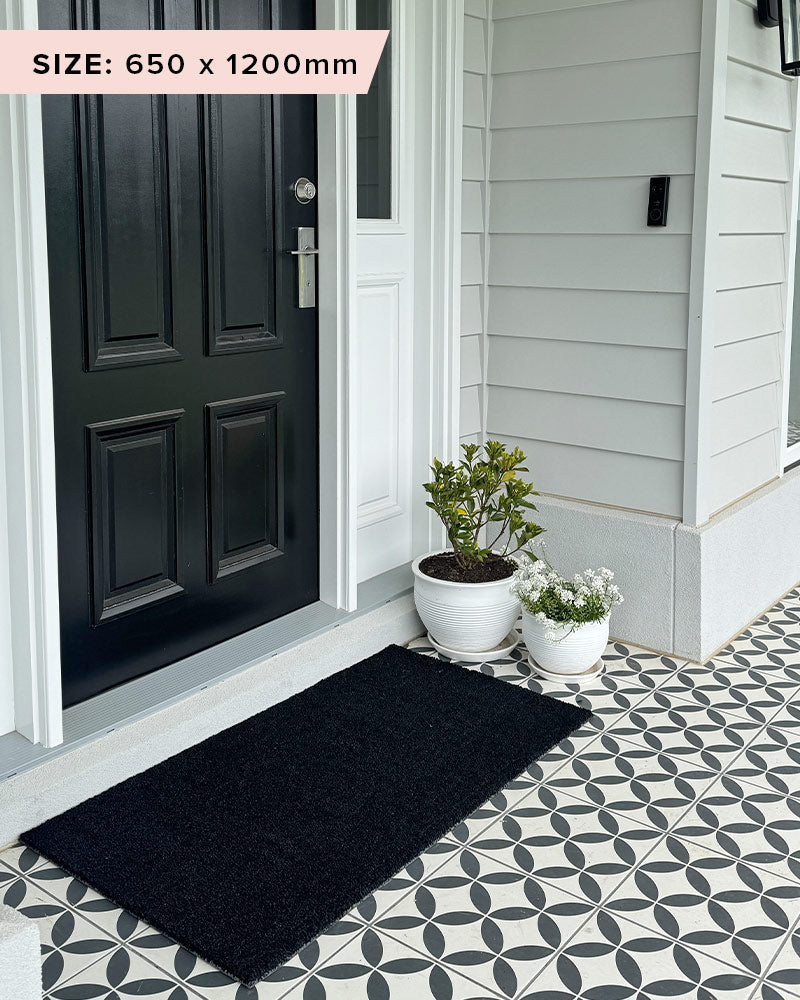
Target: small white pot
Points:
(573, 651)
(468, 617)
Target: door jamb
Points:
(28, 414)
(338, 474)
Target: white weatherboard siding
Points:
(587, 307)
(473, 218)
(750, 249)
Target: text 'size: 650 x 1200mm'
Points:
(154, 63)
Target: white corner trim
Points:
(705, 240)
(447, 116)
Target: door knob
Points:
(305, 190)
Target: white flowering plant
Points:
(545, 594)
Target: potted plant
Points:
(564, 622)
(463, 595)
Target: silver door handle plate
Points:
(306, 254)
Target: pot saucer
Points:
(508, 644)
(583, 678)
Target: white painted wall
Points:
(588, 308)
(753, 212)
(473, 218)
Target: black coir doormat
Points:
(246, 846)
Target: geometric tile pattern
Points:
(655, 853)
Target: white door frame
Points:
(27, 421)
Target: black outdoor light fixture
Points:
(784, 14)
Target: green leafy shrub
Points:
(483, 492)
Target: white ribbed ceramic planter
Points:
(469, 617)
(574, 650)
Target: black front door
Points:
(185, 376)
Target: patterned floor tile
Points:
(783, 618)
(121, 974)
(21, 858)
(197, 975)
(636, 780)
(692, 733)
(400, 885)
(485, 919)
(626, 680)
(788, 720)
(378, 967)
(710, 902)
(771, 761)
(784, 972)
(655, 665)
(576, 845)
(109, 917)
(766, 650)
(613, 959)
(767, 992)
(733, 688)
(507, 903)
(69, 943)
(758, 827)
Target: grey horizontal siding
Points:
(592, 34)
(637, 428)
(746, 367)
(604, 316)
(588, 308)
(516, 8)
(641, 263)
(595, 206)
(616, 478)
(585, 369)
(743, 313)
(621, 91)
(638, 148)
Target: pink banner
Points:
(189, 62)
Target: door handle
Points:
(306, 253)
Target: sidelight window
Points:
(374, 122)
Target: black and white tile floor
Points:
(655, 853)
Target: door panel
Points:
(135, 513)
(185, 377)
(128, 191)
(245, 498)
(240, 225)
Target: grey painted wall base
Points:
(735, 566)
(637, 547)
(20, 961)
(688, 591)
(62, 782)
